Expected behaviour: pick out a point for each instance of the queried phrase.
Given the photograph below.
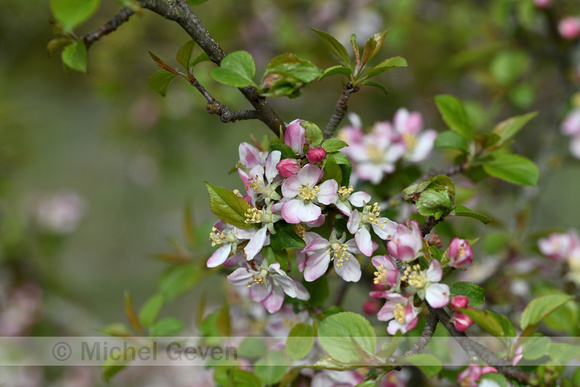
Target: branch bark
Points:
(121, 17)
(339, 110)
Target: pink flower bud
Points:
(461, 321)
(460, 254)
(315, 156)
(459, 302)
(371, 307)
(569, 27)
(288, 167)
(542, 4)
(295, 136)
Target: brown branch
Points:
(181, 13)
(121, 17)
(339, 109)
(429, 224)
(426, 336)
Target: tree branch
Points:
(181, 13)
(339, 110)
(121, 17)
(429, 224)
(426, 335)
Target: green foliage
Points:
(252, 348)
(150, 311)
(286, 74)
(541, 307)
(491, 322)
(117, 360)
(237, 69)
(433, 197)
(347, 337)
(236, 377)
(319, 291)
(227, 206)
(507, 129)
(535, 347)
(467, 213)
(178, 279)
(74, 56)
(429, 364)
(335, 46)
(271, 368)
(451, 140)
(332, 170)
(454, 115)
(313, 133)
(474, 293)
(286, 238)
(386, 65)
(167, 326)
(333, 145)
(513, 168)
(494, 377)
(160, 81)
(300, 341)
(72, 13)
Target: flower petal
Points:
(437, 295)
(259, 292)
(254, 246)
(363, 241)
(240, 276)
(219, 256)
(349, 270)
(327, 194)
(316, 265)
(274, 301)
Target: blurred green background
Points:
(136, 158)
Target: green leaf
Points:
(184, 54)
(237, 69)
(116, 360)
(331, 170)
(562, 353)
(474, 293)
(177, 279)
(290, 66)
(74, 56)
(535, 347)
(203, 57)
(495, 377)
(491, 322)
(271, 368)
(71, 13)
(429, 364)
(454, 115)
(116, 330)
(237, 378)
(167, 326)
(375, 84)
(338, 69)
(227, 206)
(150, 311)
(224, 320)
(467, 213)
(540, 307)
(160, 81)
(513, 168)
(509, 65)
(450, 140)
(386, 65)
(343, 333)
(334, 45)
(300, 341)
(286, 238)
(373, 45)
(252, 348)
(313, 133)
(58, 43)
(333, 145)
(509, 128)
(318, 290)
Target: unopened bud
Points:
(288, 167)
(315, 156)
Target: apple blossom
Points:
(267, 284)
(371, 307)
(461, 321)
(302, 194)
(327, 378)
(406, 243)
(569, 27)
(267, 218)
(469, 376)
(288, 167)
(250, 156)
(295, 136)
(260, 181)
(426, 283)
(321, 251)
(409, 126)
(387, 274)
(315, 156)
(558, 246)
(359, 224)
(346, 198)
(459, 301)
(225, 236)
(460, 254)
(400, 310)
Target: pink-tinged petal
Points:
(243, 234)
(255, 244)
(384, 260)
(310, 175)
(240, 276)
(274, 302)
(379, 293)
(302, 293)
(286, 283)
(351, 246)
(359, 199)
(387, 312)
(245, 179)
(369, 172)
(291, 187)
(290, 211)
(349, 270)
(288, 167)
(318, 222)
(461, 322)
(395, 326)
(316, 265)
(575, 146)
(437, 295)
(344, 208)
(353, 223)
(327, 194)
(260, 292)
(219, 256)
(385, 228)
(400, 120)
(271, 162)
(459, 301)
(364, 242)
(318, 243)
(294, 136)
(249, 155)
(308, 212)
(424, 146)
(300, 260)
(434, 272)
(571, 124)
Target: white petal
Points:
(219, 256)
(349, 270)
(437, 295)
(255, 245)
(274, 302)
(327, 192)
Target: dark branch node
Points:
(121, 17)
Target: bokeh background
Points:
(96, 168)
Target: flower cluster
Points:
(375, 154)
(571, 127)
(564, 247)
(460, 320)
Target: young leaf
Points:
(227, 206)
(340, 335)
(203, 57)
(313, 133)
(540, 307)
(466, 212)
(356, 50)
(286, 238)
(513, 168)
(429, 364)
(300, 341)
(164, 66)
(116, 360)
(373, 45)
(450, 140)
(131, 315)
(386, 65)
(375, 84)
(160, 81)
(252, 347)
(290, 66)
(178, 279)
(271, 368)
(150, 311)
(333, 145)
(237, 69)
(338, 69)
(168, 326)
(491, 322)
(331, 170)
(454, 115)
(335, 47)
(474, 293)
(58, 43)
(71, 13)
(510, 127)
(183, 56)
(74, 56)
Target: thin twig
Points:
(121, 17)
(339, 109)
(426, 336)
(428, 225)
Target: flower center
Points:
(371, 215)
(380, 275)
(399, 312)
(255, 182)
(344, 192)
(218, 237)
(254, 215)
(338, 252)
(415, 276)
(308, 193)
(300, 230)
(375, 154)
(410, 140)
(259, 278)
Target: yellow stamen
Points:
(308, 193)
